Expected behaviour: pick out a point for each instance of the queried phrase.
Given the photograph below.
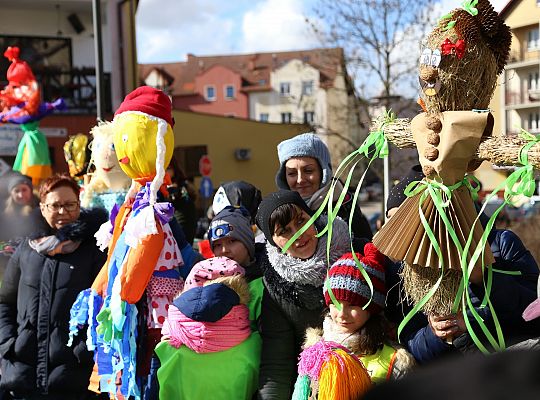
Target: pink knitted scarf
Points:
(207, 337)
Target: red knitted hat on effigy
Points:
(19, 72)
(150, 101)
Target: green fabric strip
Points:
(34, 143)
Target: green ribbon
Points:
(449, 25)
(441, 197)
(374, 146)
(378, 144)
(521, 181)
(470, 7)
(446, 16)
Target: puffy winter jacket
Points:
(510, 295)
(288, 309)
(35, 300)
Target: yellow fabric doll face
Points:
(135, 144)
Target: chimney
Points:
(251, 63)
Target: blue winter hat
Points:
(207, 303)
(304, 145)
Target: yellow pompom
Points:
(343, 377)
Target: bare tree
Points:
(380, 37)
(381, 40)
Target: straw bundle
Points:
(499, 150)
(418, 281)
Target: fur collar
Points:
(313, 270)
(331, 334)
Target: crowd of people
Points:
(259, 315)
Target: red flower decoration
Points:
(447, 47)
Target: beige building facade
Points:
(516, 101)
(239, 149)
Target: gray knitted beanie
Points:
(304, 145)
(233, 222)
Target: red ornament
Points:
(447, 47)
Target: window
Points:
(533, 81)
(307, 88)
(286, 118)
(285, 88)
(534, 122)
(229, 92)
(263, 117)
(532, 42)
(210, 93)
(309, 117)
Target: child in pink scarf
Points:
(209, 316)
(209, 350)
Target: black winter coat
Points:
(287, 310)
(35, 300)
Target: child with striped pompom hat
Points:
(354, 332)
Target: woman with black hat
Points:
(293, 295)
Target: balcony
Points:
(523, 59)
(524, 99)
(76, 86)
(534, 94)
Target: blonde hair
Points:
(13, 209)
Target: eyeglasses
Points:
(219, 231)
(69, 207)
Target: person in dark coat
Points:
(510, 295)
(293, 294)
(237, 194)
(42, 280)
(19, 215)
(305, 167)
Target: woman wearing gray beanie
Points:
(19, 216)
(19, 207)
(305, 167)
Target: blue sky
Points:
(207, 27)
(204, 27)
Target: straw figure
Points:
(127, 304)
(435, 231)
(20, 103)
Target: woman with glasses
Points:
(42, 280)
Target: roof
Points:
(254, 68)
(506, 9)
